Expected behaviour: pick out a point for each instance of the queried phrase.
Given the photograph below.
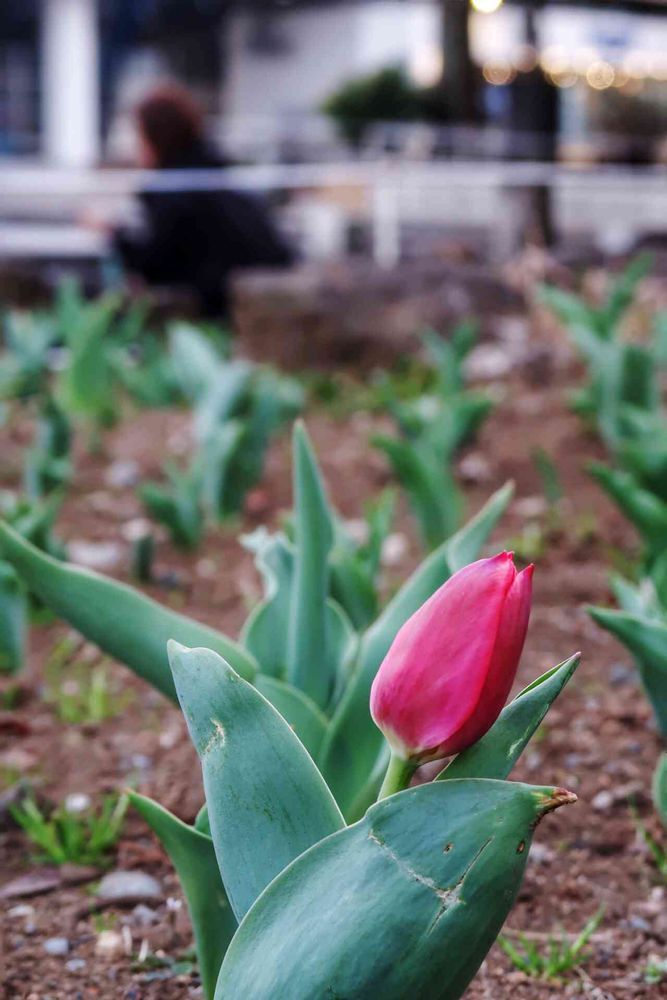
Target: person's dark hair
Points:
(171, 122)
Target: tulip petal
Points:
(433, 676)
(503, 666)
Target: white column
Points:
(386, 224)
(70, 82)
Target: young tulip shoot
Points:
(451, 667)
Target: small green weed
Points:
(553, 957)
(655, 971)
(657, 849)
(549, 476)
(83, 838)
(11, 696)
(104, 921)
(9, 776)
(530, 544)
(79, 693)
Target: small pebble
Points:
(394, 549)
(541, 854)
(620, 673)
(136, 529)
(141, 762)
(474, 468)
(529, 507)
(122, 473)
(487, 362)
(77, 802)
(95, 555)
(357, 529)
(144, 915)
(75, 964)
(129, 885)
(109, 946)
(57, 946)
(602, 801)
(206, 569)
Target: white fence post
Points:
(386, 223)
(70, 82)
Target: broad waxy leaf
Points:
(267, 802)
(354, 566)
(497, 752)
(647, 641)
(120, 620)
(310, 666)
(13, 620)
(405, 903)
(192, 855)
(353, 588)
(353, 741)
(296, 708)
(264, 633)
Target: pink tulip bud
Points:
(450, 668)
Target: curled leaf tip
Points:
(554, 799)
(174, 648)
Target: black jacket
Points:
(197, 238)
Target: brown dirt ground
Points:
(599, 736)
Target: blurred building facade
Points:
(70, 70)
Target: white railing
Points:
(395, 192)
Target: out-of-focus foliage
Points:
(432, 428)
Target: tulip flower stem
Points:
(397, 777)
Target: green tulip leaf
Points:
(647, 641)
(405, 903)
(310, 666)
(643, 509)
(267, 802)
(660, 787)
(353, 587)
(192, 855)
(296, 708)
(121, 621)
(496, 753)
(195, 361)
(13, 620)
(636, 600)
(429, 484)
(264, 633)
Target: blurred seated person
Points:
(192, 238)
